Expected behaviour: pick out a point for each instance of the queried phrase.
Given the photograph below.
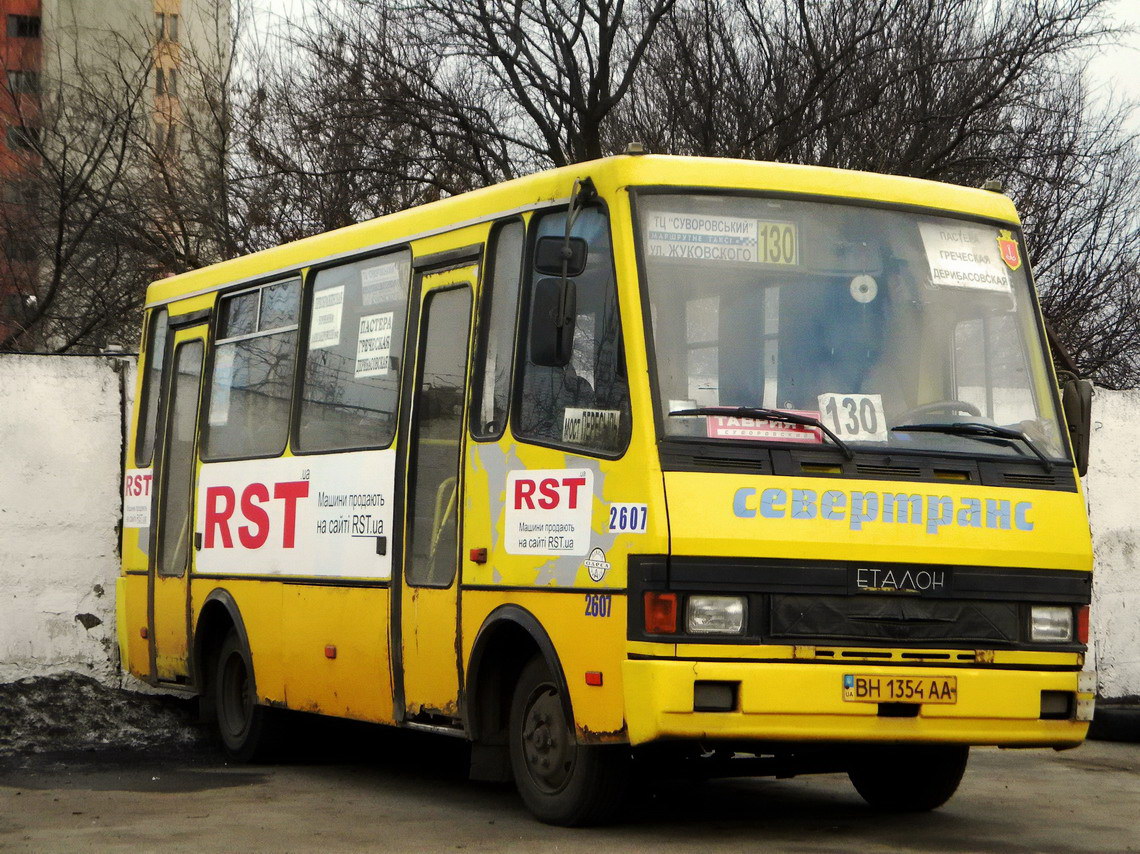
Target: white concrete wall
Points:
(60, 448)
(60, 445)
(1113, 489)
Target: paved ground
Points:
(408, 793)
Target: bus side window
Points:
(152, 382)
(586, 404)
(350, 389)
(252, 377)
(498, 307)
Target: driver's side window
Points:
(586, 403)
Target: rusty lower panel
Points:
(589, 736)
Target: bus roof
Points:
(553, 185)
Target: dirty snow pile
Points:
(74, 712)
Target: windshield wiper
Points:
(980, 431)
(768, 415)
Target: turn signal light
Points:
(1083, 625)
(660, 613)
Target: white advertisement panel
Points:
(327, 516)
(549, 511)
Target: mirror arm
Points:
(583, 192)
(1063, 354)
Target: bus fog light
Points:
(706, 615)
(1050, 623)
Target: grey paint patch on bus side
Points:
(496, 463)
(562, 571)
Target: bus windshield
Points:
(871, 320)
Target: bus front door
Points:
(171, 547)
(427, 677)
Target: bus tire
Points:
(250, 732)
(908, 778)
(560, 781)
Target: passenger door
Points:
(428, 675)
(172, 528)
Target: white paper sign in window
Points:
(854, 416)
(380, 284)
(963, 256)
(328, 307)
(597, 428)
(702, 237)
(374, 345)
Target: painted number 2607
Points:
(628, 518)
(598, 604)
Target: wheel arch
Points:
(508, 638)
(218, 615)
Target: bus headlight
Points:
(1050, 624)
(721, 615)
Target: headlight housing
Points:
(1050, 624)
(715, 615)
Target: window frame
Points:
(308, 289)
(211, 355)
(17, 22)
(423, 300)
(522, 335)
(482, 324)
(149, 390)
(23, 81)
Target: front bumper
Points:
(804, 702)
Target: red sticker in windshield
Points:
(758, 429)
(1010, 252)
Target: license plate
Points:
(900, 689)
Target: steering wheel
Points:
(940, 406)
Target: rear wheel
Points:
(250, 732)
(908, 778)
(561, 782)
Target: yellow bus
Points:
(648, 459)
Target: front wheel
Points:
(561, 782)
(908, 778)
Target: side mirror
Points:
(552, 314)
(550, 251)
(1076, 401)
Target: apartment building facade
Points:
(56, 54)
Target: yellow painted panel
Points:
(170, 628)
(357, 682)
(260, 606)
(723, 514)
(130, 596)
(801, 702)
(431, 666)
(582, 643)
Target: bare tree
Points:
(120, 184)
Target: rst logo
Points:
(249, 517)
(137, 485)
(549, 511)
(552, 492)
